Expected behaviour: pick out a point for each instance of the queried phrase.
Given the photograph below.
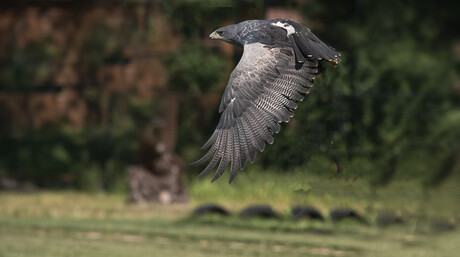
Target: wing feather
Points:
(244, 152)
(213, 161)
(235, 163)
(262, 92)
(311, 46)
(226, 155)
(250, 138)
(305, 44)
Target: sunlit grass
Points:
(213, 236)
(71, 204)
(284, 190)
(69, 223)
(255, 186)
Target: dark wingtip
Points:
(202, 174)
(195, 163)
(232, 177)
(201, 161)
(216, 176)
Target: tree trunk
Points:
(158, 178)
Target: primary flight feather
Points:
(279, 62)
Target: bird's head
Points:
(228, 34)
(245, 32)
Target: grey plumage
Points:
(276, 71)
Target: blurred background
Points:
(114, 98)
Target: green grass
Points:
(83, 224)
(212, 237)
(283, 190)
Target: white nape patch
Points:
(233, 99)
(286, 26)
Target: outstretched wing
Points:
(262, 92)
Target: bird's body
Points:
(279, 62)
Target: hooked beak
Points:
(214, 35)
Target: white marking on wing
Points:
(286, 26)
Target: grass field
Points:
(82, 224)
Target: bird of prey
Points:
(279, 63)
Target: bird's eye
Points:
(220, 33)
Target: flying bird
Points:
(276, 71)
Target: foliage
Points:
(375, 115)
(194, 18)
(60, 158)
(91, 158)
(104, 44)
(192, 69)
(388, 111)
(22, 69)
(393, 85)
(190, 17)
